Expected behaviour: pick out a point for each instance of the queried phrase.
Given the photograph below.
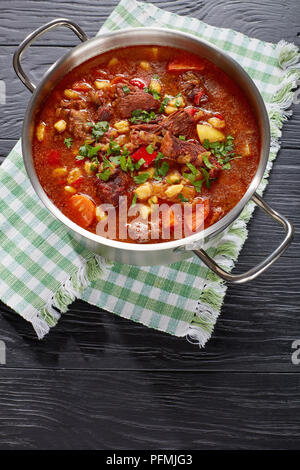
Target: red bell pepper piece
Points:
(137, 82)
(219, 116)
(142, 153)
(53, 157)
(182, 64)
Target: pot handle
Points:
(267, 262)
(32, 37)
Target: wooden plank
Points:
(258, 21)
(255, 332)
(96, 410)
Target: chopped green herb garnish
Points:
(113, 148)
(88, 151)
(198, 185)
(106, 163)
(143, 116)
(207, 163)
(68, 142)
(133, 202)
(163, 170)
(115, 160)
(123, 162)
(182, 198)
(79, 157)
(154, 93)
(159, 157)
(206, 177)
(104, 175)
(126, 89)
(192, 168)
(181, 137)
(141, 178)
(223, 151)
(129, 163)
(139, 163)
(150, 149)
(99, 129)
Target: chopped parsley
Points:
(126, 89)
(141, 178)
(181, 137)
(88, 151)
(154, 93)
(104, 175)
(99, 129)
(139, 163)
(150, 149)
(164, 103)
(163, 170)
(113, 148)
(139, 115)
(133, 202)
(223, 151)
(68, 142)
(159, 157)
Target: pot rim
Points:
(182, 243)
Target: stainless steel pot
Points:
(159, 253)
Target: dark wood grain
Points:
(99, 381)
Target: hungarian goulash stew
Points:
(158, 125)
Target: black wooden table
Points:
(98, 381)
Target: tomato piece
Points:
(169, 219)
(142, 153)
(191, 111)
(137, 82)
(83, 210)
(53, 157)
(81, 86)
(78, 181)
(198, 96)
(182, 64)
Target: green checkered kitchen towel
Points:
(43, 269)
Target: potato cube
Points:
(210, 133)
(173, 177)
(59, 172)
(40, 131)
(170, 109)
(177, 102)
(113, 61)
(102, 84)
(90, 167)
(100, 214)
(216, 122)
(71, 94)
(74, 175)
(155, 86)
(70, 189)
(122, 126)
(174, 190)
(60, 125)
(145, 211)
(145, 65)
(150, 172)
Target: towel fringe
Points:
(89, 270)
(210, 302)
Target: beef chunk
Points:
(153, 128)
(136, 99)
(104, 113)
(110, 191)
(192, 85)
(77, 123)
(182, 151)
(180, 123)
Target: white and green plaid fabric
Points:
(43, 269)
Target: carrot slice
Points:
(182, 64)
(82, 210)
